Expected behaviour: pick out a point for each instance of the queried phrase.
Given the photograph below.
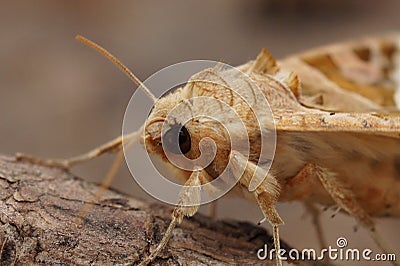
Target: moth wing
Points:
(356, 76)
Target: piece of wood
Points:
(39, 208)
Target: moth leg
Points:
(306, 175)
(346, 200)
(266, 193)
(112, 146)
(188, 205)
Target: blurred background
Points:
(59, 98)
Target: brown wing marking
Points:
(367, 67)
(351, 73)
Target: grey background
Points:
(59, 98)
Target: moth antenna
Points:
(118, 64)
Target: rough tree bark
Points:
(39, 225)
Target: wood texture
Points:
(39, 225)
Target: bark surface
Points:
(39, 212)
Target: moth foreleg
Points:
(112, 146)
(266, 192)
(188, 205)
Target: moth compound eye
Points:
(177, 140)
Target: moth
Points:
(336, 112)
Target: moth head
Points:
(184, 139)
(161, 133)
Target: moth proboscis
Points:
(337, 119)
